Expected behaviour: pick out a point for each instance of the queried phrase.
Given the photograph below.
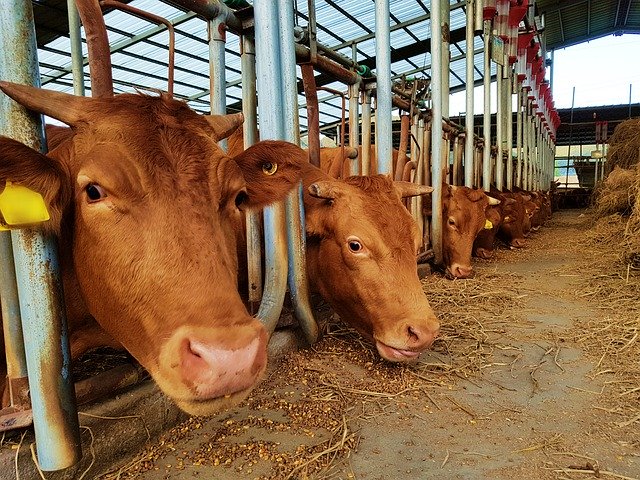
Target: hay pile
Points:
(617, 193)
(632, 229)
(624, 145)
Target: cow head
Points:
(483, 246)
(513, 218)
(143, 201)
(463, 218)
(361, 250)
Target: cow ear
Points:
(509, 201)
(327, 189)
(224, 125)
(26, 167)
(270, 169)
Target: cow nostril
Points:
(413, 335)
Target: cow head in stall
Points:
(361, 256)
(514, 217)
(464, 216)
(142, 200)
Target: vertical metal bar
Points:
(77, 62)
(457, 161)
(384, 134)
(354, 126)
(509, 128)
(250, 134)
(270, 92)
(486, 120)
(469, 90)
(217, 75)
(366, 132)
(445, 21)
(436, 132)
(500, 87)
(36, 262)
(417, 202)
(12, 327)
(519, 151)
(297, 265)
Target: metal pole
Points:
(519, 135)
(384, 134)
(17, 380)
(366, 132)
(38, 279)
(297, 265)
(486, 123)
(417, 202)
(500, 113)
(436, 134)
(270, 91)
(354, 119)
(470, 84)
(250, 134)
(509, 127)
(445, 21)
(77, 62)
(217, 77)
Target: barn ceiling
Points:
(569, 22)
(140, 49)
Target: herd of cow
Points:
(148, 211)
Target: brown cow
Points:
(484, 244)
(144, 202)
(513, 218)
(361, 257)
(464, 216)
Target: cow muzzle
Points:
(460, 271)
(416, 339)
(207, 370)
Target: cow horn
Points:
(326, 189)
(410, 189)
(493, 201)
(224, 125)
(70, 109)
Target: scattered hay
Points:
(617, 193)
(614, 337)
(309, 409)
(624, 145)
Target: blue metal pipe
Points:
(297, 264)
(437, 176)
(12, 327)
(383, 88)
(36, 261)
(77, 60)
(270, 113)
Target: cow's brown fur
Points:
(154, 261)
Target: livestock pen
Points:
(527, 361)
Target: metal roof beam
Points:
(398, 26)
(133, 40)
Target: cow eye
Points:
(355, 246)
(95, 192)
(452, 221)
(269, 168)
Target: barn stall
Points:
(512, 341)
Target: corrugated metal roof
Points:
(569, 22)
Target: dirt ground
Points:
(525, 382)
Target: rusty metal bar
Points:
(36, 262)
(326, 65)
(313, 113)
(97, 48)
(405, 120)
(106, 383)
(155, 19)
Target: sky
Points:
(600, 70)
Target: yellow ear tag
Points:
(21, 206)
(488, 225)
